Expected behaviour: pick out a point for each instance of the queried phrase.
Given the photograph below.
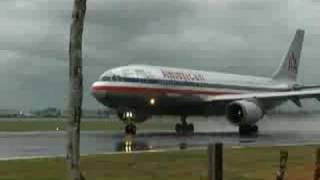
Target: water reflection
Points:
(129, 144)
(152, 141)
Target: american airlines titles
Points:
(184, 76)
(293, 65)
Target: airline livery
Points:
(138, 92)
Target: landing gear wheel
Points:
(179, 129)
(184, 129)
(190, 128)
(130, 129)
(248, 130)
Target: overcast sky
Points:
(239, 36)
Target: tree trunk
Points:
(75, 90)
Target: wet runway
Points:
(272, 132)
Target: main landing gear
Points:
(184, 128)
(248, 130)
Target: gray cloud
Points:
(241, 36)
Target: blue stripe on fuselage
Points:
(199, 84)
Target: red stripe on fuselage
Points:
(153, 90)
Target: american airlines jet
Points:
(138, 92)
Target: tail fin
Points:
(289, 66)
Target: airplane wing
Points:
(304, 87)
(293, 95)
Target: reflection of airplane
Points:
(140, 91)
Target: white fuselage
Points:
(134, 86)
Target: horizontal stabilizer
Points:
(296, 101)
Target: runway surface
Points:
(280, 131)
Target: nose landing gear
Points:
(130, 128)
(184, 128)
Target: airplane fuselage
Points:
(173, 91)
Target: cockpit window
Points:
(111, 78)
(134, 75)
(115, 78)
(106, 78)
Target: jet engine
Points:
(244, 112)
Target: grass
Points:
(254, 163)
(41, 124)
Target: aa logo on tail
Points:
(292, 65)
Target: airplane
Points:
(138, 92)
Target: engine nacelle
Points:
(244, 112)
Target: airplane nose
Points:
(92, 88)
(95, 90)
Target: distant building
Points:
(93, 113)
(48, 112)
(9, 113)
